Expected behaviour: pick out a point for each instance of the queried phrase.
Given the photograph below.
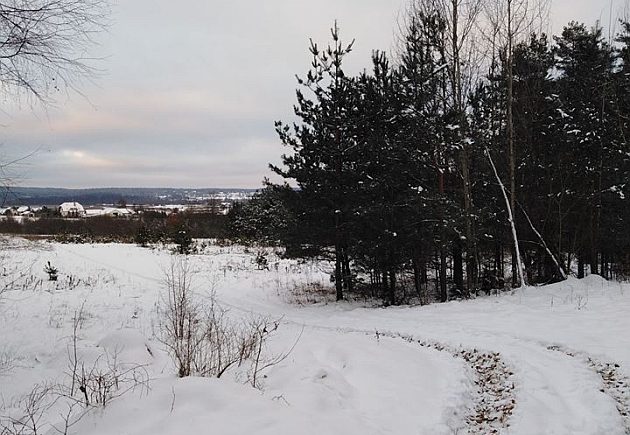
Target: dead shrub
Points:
(200, 336)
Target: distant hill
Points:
(165, 196)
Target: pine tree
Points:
(320, 143)
(585, 62)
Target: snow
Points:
(323, 389)
(348, 372)
(563, 114)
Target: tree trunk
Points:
(419, 272)
(471, 266)
(347, 273)
(442, 276)
(458, 266)
(338, 259)
(385, 287)
(510, 136)
(498, 259)
(392, 287)
(521, 268)
(338, 274)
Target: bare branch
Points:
(44, 43)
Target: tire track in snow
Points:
(494, 399)
(614, 383)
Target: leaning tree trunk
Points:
(521, 266)
(557, 263)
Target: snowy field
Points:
(547, 360)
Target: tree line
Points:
(149, 228)
(481, 155)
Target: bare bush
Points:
(201, 337)
(306, 293)
(262, 329)
(29, 412)
(56, 407)
(73, 414)
(29, 415)
(86, 386)
(73, 358)
(181, 317)
(224, 345)
(16, 276)
(105, 379)
(108, 379)
(8, 361)
(94, 386)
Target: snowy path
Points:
(493, 395)
(538, 356)
(554, 394)
(614, 384)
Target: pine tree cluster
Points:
(394, 181)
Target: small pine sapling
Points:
(52, 271)
(261, 261)
(183, 241)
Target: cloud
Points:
(83, 159)
(191, 90)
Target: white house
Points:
(71, 210)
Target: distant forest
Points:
(15, 196)
(482, 154)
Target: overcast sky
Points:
(190, 90)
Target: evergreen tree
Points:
(320, 144)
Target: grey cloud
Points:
(191, 90)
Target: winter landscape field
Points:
(541, 360)
(392, 217)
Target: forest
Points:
(480, 154)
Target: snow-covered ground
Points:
(534, 362)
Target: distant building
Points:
(118, 212)
(71, 210)
(17, 212)
(110, 212)
(25, 212)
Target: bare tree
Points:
(44, 44)
(507, 22)
(463, 58)
(43, 51)
(520, 271)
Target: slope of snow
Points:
(330, 384)
(346, 374)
